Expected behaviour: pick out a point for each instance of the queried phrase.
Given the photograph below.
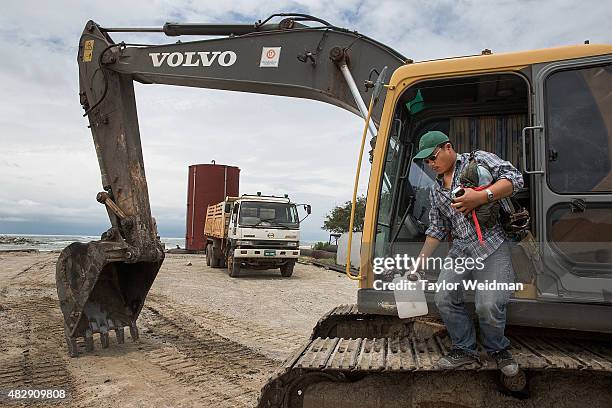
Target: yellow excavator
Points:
(548, 112)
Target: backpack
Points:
(471, 177)
(514, 222)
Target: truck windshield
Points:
(268, 215)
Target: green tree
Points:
(338, 220)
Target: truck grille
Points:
(271, 244)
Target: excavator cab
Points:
(479, 112)
(544, 117)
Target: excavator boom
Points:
(102, 285)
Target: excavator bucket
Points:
(99, 292)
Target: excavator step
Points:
(345, 359)
(411, 354)
(421, 348)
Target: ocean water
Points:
(59, 242)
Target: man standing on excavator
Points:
(453, 211)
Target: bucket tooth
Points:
(73, 350)
(89, 341)
(104, 339)
(134, 331)
(110, 324)
(120, 335)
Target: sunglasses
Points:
(434, 156)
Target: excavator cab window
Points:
(485, 112)
(579, 108)
(578, 121)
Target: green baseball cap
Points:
(428, 143)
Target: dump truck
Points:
(547, 111)
(253, 231)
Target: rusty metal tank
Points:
(207, 184)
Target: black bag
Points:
(487, 214)
(514, 222)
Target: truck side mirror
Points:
(228, 208)
(308, 210)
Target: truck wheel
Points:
(287, 269)
(233, 267)
(208, 254)
(214, 259)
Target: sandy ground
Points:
(206, 339)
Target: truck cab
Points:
(261, 232)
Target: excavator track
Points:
(347, 346)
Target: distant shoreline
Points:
(44, 242)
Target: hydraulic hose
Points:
(355, 187)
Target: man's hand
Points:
(470, 200)
(428, 249)
(416, 269)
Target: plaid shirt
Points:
(444, 219)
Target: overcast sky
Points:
(49, 174)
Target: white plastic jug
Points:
(409, 297)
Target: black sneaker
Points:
(505, 363)
(456, 358)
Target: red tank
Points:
(207, 184)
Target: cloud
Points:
(49, 172)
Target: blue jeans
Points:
(490, 304)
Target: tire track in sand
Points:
(33, 356)
(274, 343)
(227, 373)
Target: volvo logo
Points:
(193, 59)
(271, 235)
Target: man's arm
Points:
(439, 227)
(429, 247)
(509, 181)
(472, 199)
(509, 178)
(502, 188)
